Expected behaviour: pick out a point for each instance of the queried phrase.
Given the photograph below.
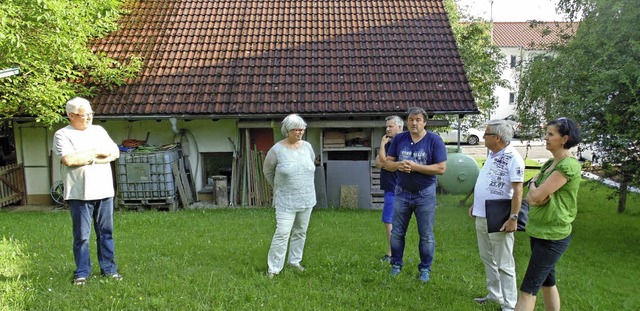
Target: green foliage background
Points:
(481, 58)
(594, 79)
(49, 40)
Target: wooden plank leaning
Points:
(178, 180)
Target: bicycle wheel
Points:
(57, 192)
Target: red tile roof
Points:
(263, 58)
(531, 35)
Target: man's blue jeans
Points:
(83, 214)
(423, 205)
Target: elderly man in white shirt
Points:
(501, 177)
(86, 151)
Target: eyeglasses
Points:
(84, 116)
(297, 130)
(489, 134)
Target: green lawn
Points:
(216, 260)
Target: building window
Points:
(512, 98)
(216, 163)
(514, 61)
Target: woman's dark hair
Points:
(567, 127)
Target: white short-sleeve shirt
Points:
(87, 182)
(494, 182)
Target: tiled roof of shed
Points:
(531, 35)
(255, 57)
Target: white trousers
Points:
(496, 252)
(292, 224)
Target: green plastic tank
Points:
(461, 174)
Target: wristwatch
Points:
(514, 217)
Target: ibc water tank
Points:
(461, 174)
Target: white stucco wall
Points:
(42, 168)
(196, 136)
(34, 144)
(504, 108)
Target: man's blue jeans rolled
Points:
(423, 205)
(83, 215)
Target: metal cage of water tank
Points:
(146, 179)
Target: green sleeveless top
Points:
(552, 221)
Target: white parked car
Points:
(468, 135)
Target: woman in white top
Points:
(289, 168)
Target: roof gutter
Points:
(136, 117)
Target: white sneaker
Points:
(79, 281)
(297, 266)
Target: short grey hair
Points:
(75, 104)
(291, 122)
(397, 120)
(502, 128)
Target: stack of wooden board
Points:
(334, 139)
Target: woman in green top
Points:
(553, 198)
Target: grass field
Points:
(216, 260)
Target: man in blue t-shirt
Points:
(418, 156)
(394, 126)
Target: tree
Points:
(595, 80)
(481, 58)
(50, 41)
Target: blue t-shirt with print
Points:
(429, 150)
(388, 179)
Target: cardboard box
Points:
(333, 135)
(354, 135)
(334, 141)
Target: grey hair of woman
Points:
(501, 128)
(292, 122)
(397, 120)
(74, 105)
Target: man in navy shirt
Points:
(418, 156)
(394, 126)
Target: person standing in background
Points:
(501, 177)
(553, 205)
(393, 126)
(289, 168)
(86, 151)
(418, 156)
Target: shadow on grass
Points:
(14, 286)
(216, 260)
